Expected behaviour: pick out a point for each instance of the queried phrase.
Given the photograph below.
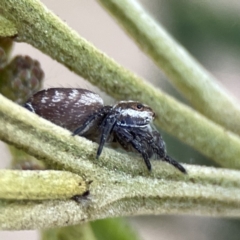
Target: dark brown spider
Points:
(82, 112)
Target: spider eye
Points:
(139, 106)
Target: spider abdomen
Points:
(66, 107)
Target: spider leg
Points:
(80, 130)
(161, 152)
(141, 148)
(174, 163)
(158, 144)
(155, 142)
(159, 148)
(125, 137)
(107, 127)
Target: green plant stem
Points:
(53, 37)
(40, 185)
(120, 195)
(120, 184)
(184, 72)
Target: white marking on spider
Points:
(51, 105)
(89, 99)
(44, 99)
(136, 114)
(58, 96)
(72, 95)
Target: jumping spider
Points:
(82, 112)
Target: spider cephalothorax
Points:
(83, 112)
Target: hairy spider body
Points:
(82, 112)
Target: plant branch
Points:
(126, 196)
(184, 72)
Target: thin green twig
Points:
(185, 73)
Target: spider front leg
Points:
(125, 137)
(158, 144)
(107, 126)
(90, 121)
(154, 141)
(147, 143)
(174, 163)
(161, 146)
